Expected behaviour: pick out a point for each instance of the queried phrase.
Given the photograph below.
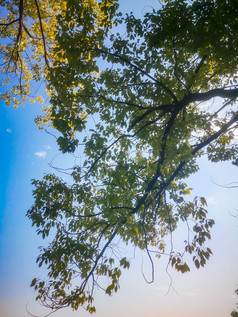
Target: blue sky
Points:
(207, 292)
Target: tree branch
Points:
(83, 285)
(9, 23)
(42, 34)
(217, 92)
(165, 108)
(160, 84)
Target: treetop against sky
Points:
(138, 105)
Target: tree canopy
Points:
(135, 96)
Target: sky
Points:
(208, 292)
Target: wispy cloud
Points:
(212, 200)
(41, 154)
(191, 294)
(48, 147)
(9, 131)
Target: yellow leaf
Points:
(136, 230)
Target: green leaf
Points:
(203, 201)
(33, 282)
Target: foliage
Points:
(30, 47)
(234, 312)
(143, 105)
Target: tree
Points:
(150, 95)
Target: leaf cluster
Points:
(141, 107)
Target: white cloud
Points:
(9, 130)
(212, 200)
(48, 147)
(41, 154)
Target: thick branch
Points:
(42, 33)
(218, 92)
(216, 135)
(165, 108)
(20, 22)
